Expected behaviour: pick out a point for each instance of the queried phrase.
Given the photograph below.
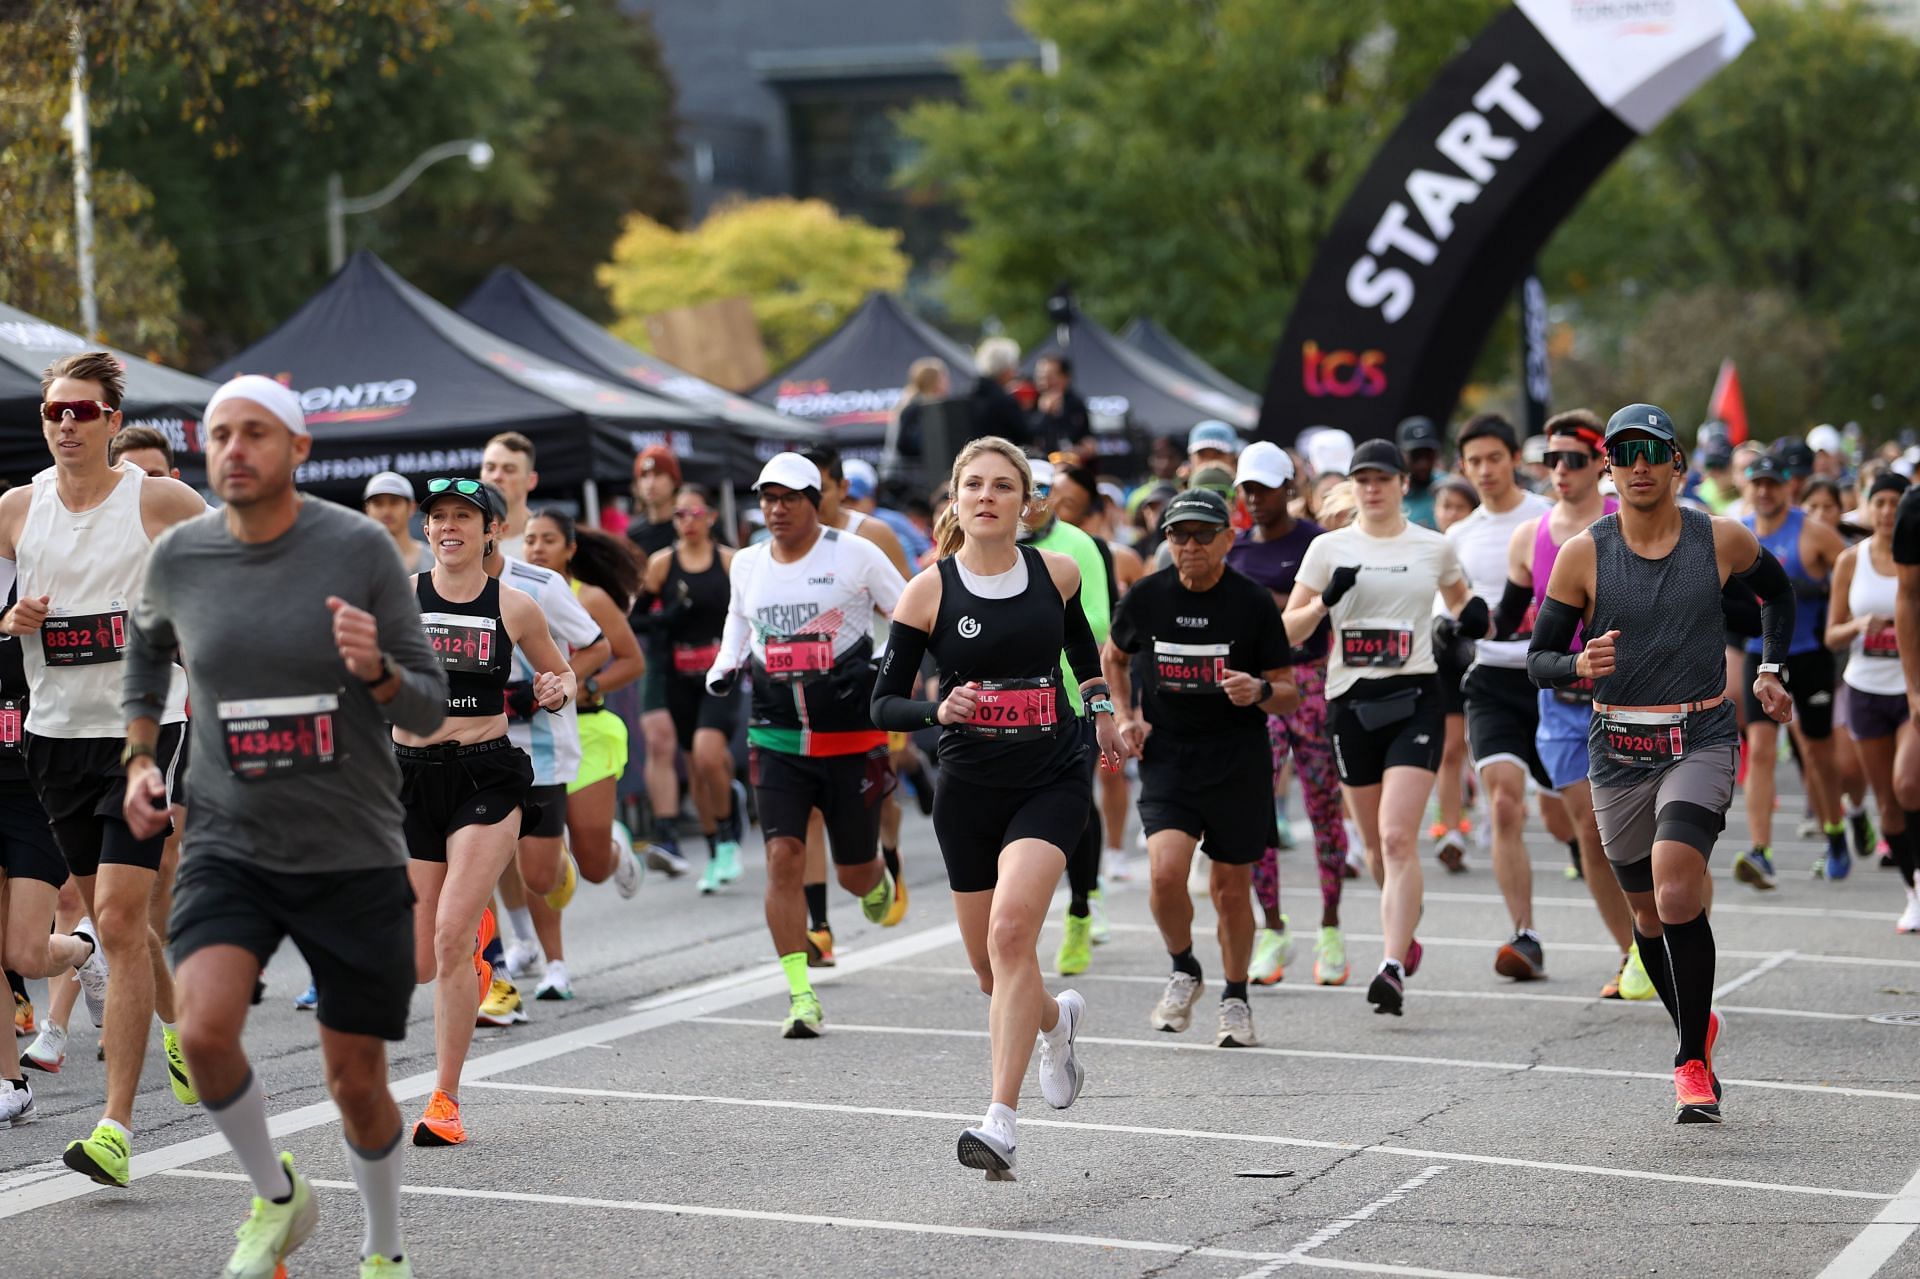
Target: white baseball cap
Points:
(789, 470)
(1824, 439)
(1042, 470)
(1264, 462)
(1330, 451)
(389, 484)
(862, 479)
(1213, 434)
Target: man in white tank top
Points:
(77, 542)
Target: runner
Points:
(507, 464)
(1376, 579)
(1270, 553)
(1503, 707)
(690, 579)
(1644, 584)
(1860, 619)
(1012, 797)
(147, 448)
(390, 502)
(295, 746)
(1454, 499)
(656, 478)
(1218, 664)
(79, 539)
(799, 615)
(465, 786)
(1806, 551)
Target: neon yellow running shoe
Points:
(804, 1018)
(1076, 947)
(879, 900)
(1634, 982)
(272, 1230)
(386, 1268)
(103, 1156)
(177, 1076)
(561, 893)
(897, 911)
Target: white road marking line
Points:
(1876, 1243)
(1586, 903)
(1391, 1059)
(1758, 971)
(675, 1006)
(1339, 1226)
(1195, 1134)
(1302, 988)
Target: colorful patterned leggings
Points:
(1305, 733)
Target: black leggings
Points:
(1083, 862)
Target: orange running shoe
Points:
(1694, 1099)
(481, 968)
(440, 1125)
(1714, 1026)
(23, 1023)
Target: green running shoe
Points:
(1634, 982)
(726, 855)
(1076, 947)
(711, 880)
(879, 901)
(386, 1268)
(1271, 948)
(1330, 958)
(103, 1156)
(804, 1018)
(177, 1069)
(273, 1230)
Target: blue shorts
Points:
(1561, 739)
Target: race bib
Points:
(84, 639)
(798, 659)
(274, 737)
(1880, 643)
(1644, 739)
(689, 659)
(1578, 693)
(1015, 709)
(1189, 668)
(13, 714)
(1376, 644)
(465, 643)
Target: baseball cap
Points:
(1330, 451)
(1378, 455)
(1264, 462)
(1418, 433)
(1042, 471)
(1217, 476)
(862, 479)
(389, 484)
(1655, 421)
(1794, 455)
(1204, 505)
(1767, 467)
(1824, 438)
(472, 492)
(1715, 456)
(1533, 450)
(789, 470)
(1213, 434)
(658, 457)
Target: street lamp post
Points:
(339, 207)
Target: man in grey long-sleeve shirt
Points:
(302, 642)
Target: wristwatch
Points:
(1774, 669)
(1266, 691)
(387, 672)
(137, 750)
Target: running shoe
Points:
(1356, 860)
(48, 1051)
(561, 893)
(1839, 862)
(522, 958)
(1886, 854)
(710, 880)
(502, 1006)
(1450, 849)
(1102, 931)
(385, 1268)
(1715, 1024)
(483, 970)
(1283, 832)
(820, 948)
(1387, 992)
(1415, 952)
(1610, 989)
(307, 1000)
(1174, 1012)
(1755, 867)
(1076, 947)
(727, 857)
(1635, 983)
(16, 1103)
(1909, 918)
(440, 1125)
(273, 1230)
(804, 1018)
(1061, 1077)
(1809, 825)
(879, 899)
(1865, 837)
(177, 1076)
(1236, 1025)
(102, 1156)
(1115, 866)
(664, 855)
(92, 975)
(627, 870)
(991, 1148)
(897, 911)
(554, 984)
(1330, 958)
(1521, 958)
(1271, 948)
(1694, 1098)
(23, 1026)
(1573, 857)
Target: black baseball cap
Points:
(1204, 505)
(1793, 454)
(1418, 433)
(1655, 421)
(1767, 467)
(472, 492)
(1378, 455)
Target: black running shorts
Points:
(1363, 755)
(693, 708)
(974, 822)
(447, 787)
(1219, 792)
(1503, 720)
(1810, 678)
(847, 789)
(27, 850)
(546, 815)
(83, 787)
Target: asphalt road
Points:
(658, 1125)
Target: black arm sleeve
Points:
(1549, 663)
(1474, 619)
(1113, 581)
(1769, 582)
(1514, 602)
(1082, 653)
(893, 709)
(1740, 608)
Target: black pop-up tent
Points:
(1147, 337)
(156, 396)
(519, 310)
(851, 379)
(1123, 384)
(391, 380)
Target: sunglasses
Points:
(81, 410)
(465, 488)
(1204, 536)
(688, 512)
(1572, 459)
(1626, 453)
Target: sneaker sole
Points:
(34, 1063)
(975, 1153)
(552, 995)
(81, 1162)
(1747, 873)
(1340, 979)
(425, 1136)
(1228, 1041)
(1453, 859)
(1697, 1113)
(799, 1030)
(1385, 999)
(1511, 963)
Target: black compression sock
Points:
(1653, 957)
(816, 906)
(1690, 949)
(1235, 990)
(1184, 962)
(1905, 847)
(18, 983)
(1079, 906)
(892, 858)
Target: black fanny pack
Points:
(1376, 713)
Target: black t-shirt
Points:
(1190, 638)
(650, 537)
(1906, 528)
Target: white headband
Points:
(268, 394)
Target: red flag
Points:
(1727, 404)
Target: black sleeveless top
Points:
(1025, 733)
(473, 647)
(706, 592)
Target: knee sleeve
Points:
(1635, 877)
(1685, 822)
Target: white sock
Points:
(556, 974)
(1001, 1117)
(522, 920)
(242, 1120)
(377, 1174)
(118, 1127)
(1058, 1035)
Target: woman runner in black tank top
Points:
(464, 786)
(1012, 797)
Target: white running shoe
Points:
(1910, 918)
(1061, 1075)
(92, 976)
(1101, 931)
(522, 958)
(627, 869)
(990, 1146)
(1174, 1012)
(1200, 875)
(1116, 867)
(16, 1104)
(554, 984)
(48, 1051)
(1236, 1025)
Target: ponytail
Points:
(947, 537)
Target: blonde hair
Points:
(947, 535)
(924, 377)
(1339, 506)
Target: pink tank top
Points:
(1545, 551)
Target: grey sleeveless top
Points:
(1672, 644)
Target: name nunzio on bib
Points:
(1190, 641)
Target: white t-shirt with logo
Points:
(1385, 622)
(1480, 541)
(552, 742)
(836, 588)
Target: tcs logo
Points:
(1342, 373)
